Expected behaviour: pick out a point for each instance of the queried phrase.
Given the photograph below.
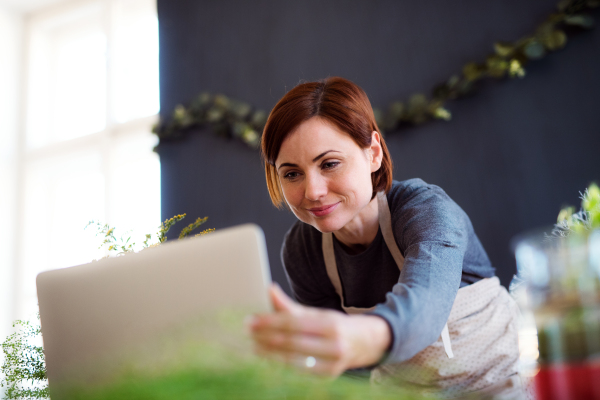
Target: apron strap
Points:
(334, 276)
(446, 341)
(331, 266)
(385, 224)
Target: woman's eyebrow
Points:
(287, 164)
(314, 159)
(322, 154)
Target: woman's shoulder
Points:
(415, 191)
(424, 212)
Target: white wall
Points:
(11, 44)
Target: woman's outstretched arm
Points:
(326, 342)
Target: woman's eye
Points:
(290, 175)
(330, 164)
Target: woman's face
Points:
(325, 176)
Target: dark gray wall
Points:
(512, 155)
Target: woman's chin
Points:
(325, 225)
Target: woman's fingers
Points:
(281, 301)
(314, 339)
(309, 363)
(306, 320)
(308, 345)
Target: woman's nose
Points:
(316, 187)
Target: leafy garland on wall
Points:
(236, 119)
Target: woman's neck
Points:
(360, 232)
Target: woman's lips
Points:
(321, 211)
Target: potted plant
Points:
(561, 273)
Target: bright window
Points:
(91, 99)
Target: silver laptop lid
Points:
(90, 311)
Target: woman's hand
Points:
(326, 342)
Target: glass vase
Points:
(559, 279)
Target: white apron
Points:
(478, 348)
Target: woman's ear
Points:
(375, 151)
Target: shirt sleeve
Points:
(432, 232)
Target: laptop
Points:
(94, 314)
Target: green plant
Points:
(114, 245)
(210, 359)
(225, 116)
(188, 229)
(236, 119)
(24, 367)
(585, 220)
(256, 381)
(123, 244)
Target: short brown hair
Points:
(336, 100)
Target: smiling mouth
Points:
(321, 211)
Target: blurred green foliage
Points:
(225, 116)
(214, 372)
(585, 220)
(236, 119)
(24, 368)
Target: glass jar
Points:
(560, 290)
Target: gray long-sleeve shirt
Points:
(441, 253)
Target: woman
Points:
(387, 275)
